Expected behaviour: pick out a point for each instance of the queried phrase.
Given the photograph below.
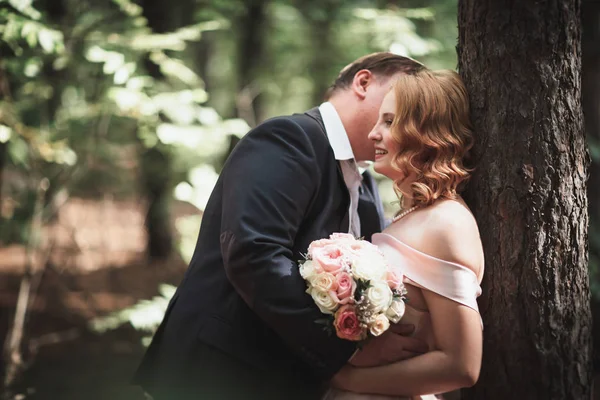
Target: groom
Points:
(240, 325)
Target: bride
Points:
(423, 137)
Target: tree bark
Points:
(156, 163)
(251, 55)
(590, 18)
(521, 62)
(590, 22)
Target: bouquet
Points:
(352, 284)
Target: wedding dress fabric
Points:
(447, 279)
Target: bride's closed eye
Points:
(388, 118)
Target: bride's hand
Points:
(390, 347)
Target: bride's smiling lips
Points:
(379, 152)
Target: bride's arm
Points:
(454, 364)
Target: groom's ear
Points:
(360, 83)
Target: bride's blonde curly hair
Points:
(433, 130)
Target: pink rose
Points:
(394, 281)
(331, 258)
(345, 289)
(347, 325)
(317, 244)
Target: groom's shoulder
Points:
(296, 124)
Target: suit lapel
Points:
(316, 115)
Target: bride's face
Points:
(385, 145)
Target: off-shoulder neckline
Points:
(403, 244)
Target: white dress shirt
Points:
(339, 142)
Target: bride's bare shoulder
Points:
(454, 234)
(451, 213)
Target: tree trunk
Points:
(4, 96)
(521, 62)
(201, 56)
(324, 58)
(251, 54)
(321, 16)
(590, 20)
(156, 163)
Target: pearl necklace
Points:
(404, 213)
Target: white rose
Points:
(323, 300)
(308, 270)
(396, 311)
(358, 248)
(323, 281)
(369, 267)
(363, 245)
(379, 325)
(342, 237)
(380, 296)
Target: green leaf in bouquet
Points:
(361, 286)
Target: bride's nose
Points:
(374, 134)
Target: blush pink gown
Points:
(447, 279)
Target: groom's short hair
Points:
(380, 64)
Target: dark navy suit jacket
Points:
(280, 189)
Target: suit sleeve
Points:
(268, 185)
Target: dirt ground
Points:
(97, 266)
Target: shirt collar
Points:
(338, 137)
(336, 133)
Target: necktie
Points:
(353, 180)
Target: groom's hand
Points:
(390, 347)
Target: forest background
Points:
(115, 120)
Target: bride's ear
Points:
(360, 83)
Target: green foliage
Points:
(313, 41)
(394, 30)
(144, 316)
(80, 103)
